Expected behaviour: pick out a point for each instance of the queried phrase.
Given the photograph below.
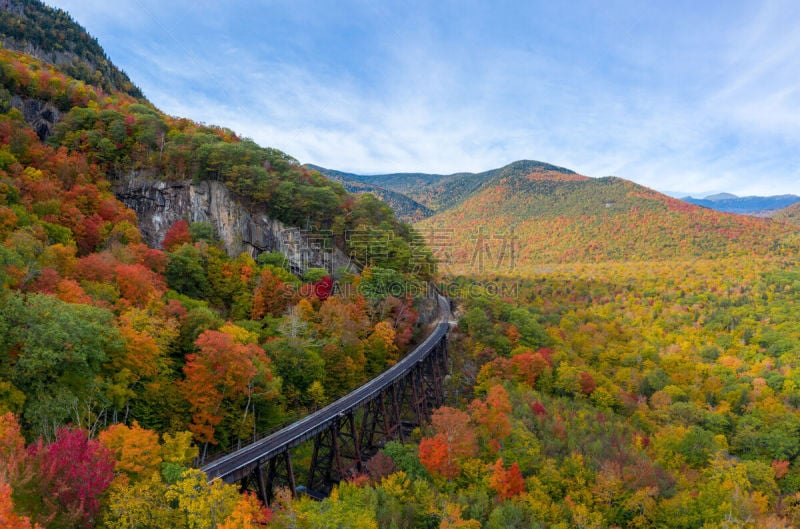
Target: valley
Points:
(616, 358)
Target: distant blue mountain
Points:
(744, 205)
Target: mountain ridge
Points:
(125, 138)
(51, 35)
(439, 191)
(558, 215)
(746, 205)
(590, 220)
(677, 381)
(407, 209)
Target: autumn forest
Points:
(618, 358)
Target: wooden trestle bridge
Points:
(349, 431)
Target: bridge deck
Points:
(233, 466)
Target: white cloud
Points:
(700, 108)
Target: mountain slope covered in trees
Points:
(554, 218)
(121, 364)
(406, 209)
(631, 361)
(440, 192)
(51, 35)
(548, 214)
(789, 215)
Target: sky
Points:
(682, 96)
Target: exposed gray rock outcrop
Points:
(42, 116)
(158, 205)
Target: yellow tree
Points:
(141, 504)
(380, 349)
(452, 519)
(200, 504)
(178, 448)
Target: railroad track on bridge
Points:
(349, 430)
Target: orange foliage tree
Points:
(272, 296)
(136, 449)
(248, 513)
(222, 371)
(454, 440)
(452, 519)
(12, 448)
(507, 483)
(138, 285)
(8, 518)
(493, 415)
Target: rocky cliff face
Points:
(158, 205)
(42, 116)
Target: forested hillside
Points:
(51, 35)
(441, 192)
(649, 395)
(621, 360)
(121, 364)
(549, 218)
(406, 209)
(554, 215)
(790, 215)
